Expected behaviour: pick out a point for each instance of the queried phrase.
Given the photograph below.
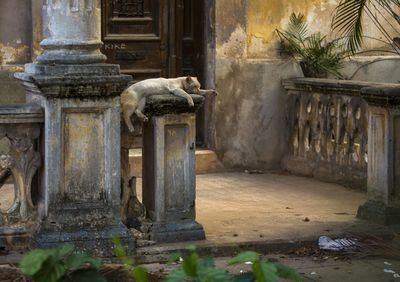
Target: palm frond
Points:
(388, 5)
(295, 34)
(348, 17)
(347, 21)
(297, 27)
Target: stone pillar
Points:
(169, 173)
(72, 30)
(80, 95)
(383, 205)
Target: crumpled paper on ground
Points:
(329, 244)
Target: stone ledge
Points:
(68, 70)
(331, 86)
(21, 114)
(75, 86)
(384, 96)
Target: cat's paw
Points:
(191, 104)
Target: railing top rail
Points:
(23, 113)
(331, 86)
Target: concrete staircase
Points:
(206, 162)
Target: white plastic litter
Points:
(313, 273)
(327, 243)
(389, 271)
(396, 275)
(387, 263)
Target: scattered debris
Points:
(387, 263)
(254, 171)
(289, 208)
(327, 243)
(396, 275)
(313, 273)
(145, 243)
(306, 219)
(235, 235)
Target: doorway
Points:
(158, 38)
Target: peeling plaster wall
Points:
(15, 47)
(250, 111)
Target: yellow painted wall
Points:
(252, 34)
(265, 16)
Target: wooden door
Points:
(156, 38)
(135, 36)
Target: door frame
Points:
(209, 49)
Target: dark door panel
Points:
(155, 38)
(135, 36)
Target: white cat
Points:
(133, 99)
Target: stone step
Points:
(206, 162)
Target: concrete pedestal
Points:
(81, 193)
(169, 174)
(383, 205)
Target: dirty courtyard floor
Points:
(240, 207)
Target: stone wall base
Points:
(379, 213)
(186, 230)
(15, 242)
(96, 241)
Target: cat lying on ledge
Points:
(133, 99)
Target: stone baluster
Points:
(80, 95)
(383, 204)
(21, 126)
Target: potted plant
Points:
(318, 56)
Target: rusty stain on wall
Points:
(13, 55)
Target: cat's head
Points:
(192, 85)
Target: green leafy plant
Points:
(349, 15)
(63, 265)
(60, 265)
(139, 273)
(262, 270)
(196, 268)
(318, 57)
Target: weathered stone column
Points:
(383, 205)
(169, 173)
(80, 95)
(72, 31)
